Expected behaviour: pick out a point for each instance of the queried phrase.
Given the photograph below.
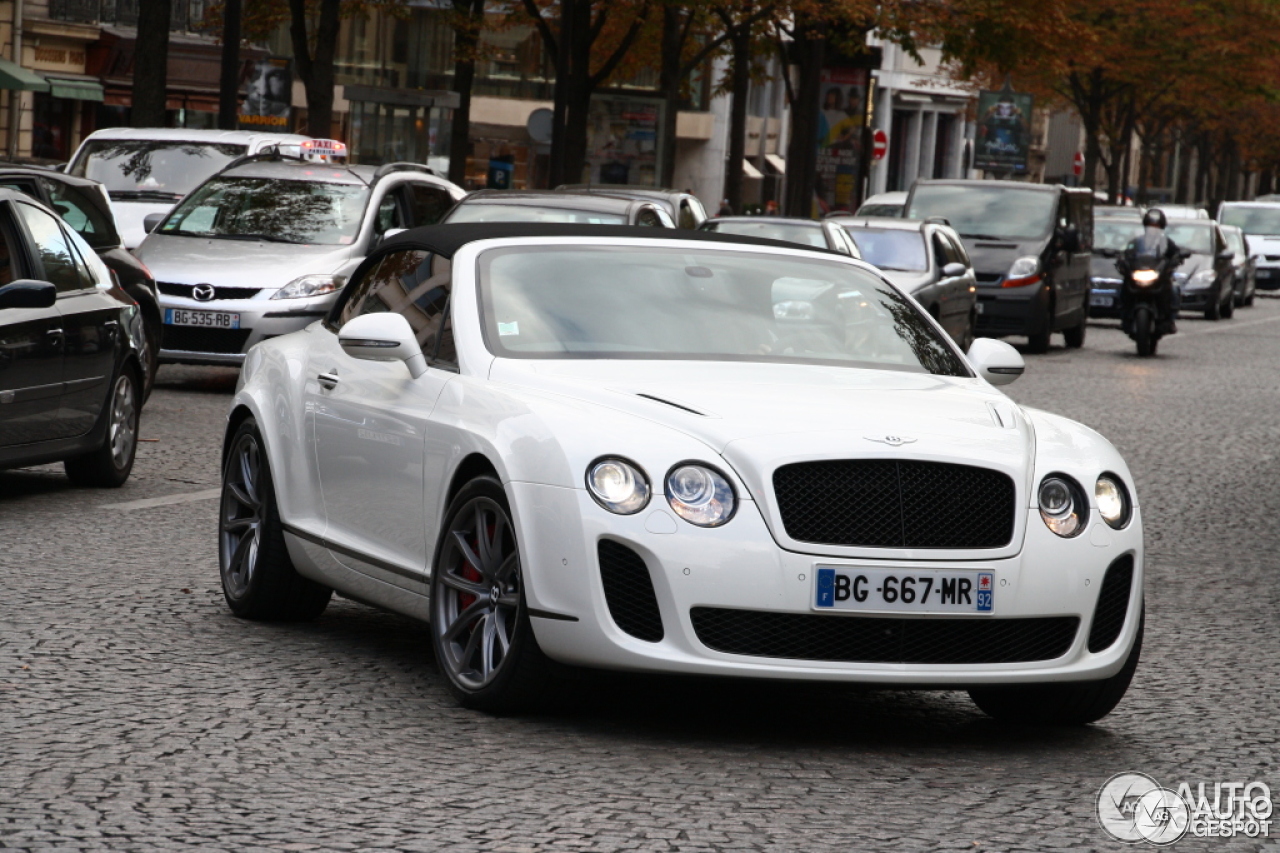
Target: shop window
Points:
(51, 127)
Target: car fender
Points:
(1069, 447)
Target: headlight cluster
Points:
(310, 285)
(1065, 510)
(1204, 278)
(1023, 272)
(698, 493)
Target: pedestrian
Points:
(770, 208)
(726, 209)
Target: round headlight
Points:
(1113, 500)
(1062, 506)
(700, 495)
(618, 486)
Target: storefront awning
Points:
(79, 90)
(779, 165)
(749, 170)
(15, 77)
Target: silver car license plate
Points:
(205, 319)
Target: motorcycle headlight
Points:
(618, 486)
(700, 495)
(310, 285)
(1145, 278)
(1112, 499)
(1062, 505)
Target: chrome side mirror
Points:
(383, 337)
(955, 269)
(996, 361)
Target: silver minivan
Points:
(262, 248)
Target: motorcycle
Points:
(1147, 293)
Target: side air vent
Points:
(1113, 604)
(628, 590)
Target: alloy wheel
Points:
(241, 516)
(477, 599)
(123, 430)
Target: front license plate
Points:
(207, 319)
(978, 308)
(904, 590)
(1101, 300)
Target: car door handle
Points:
(328, 380)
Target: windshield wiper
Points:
(985, 237)
(150, 195)
(267, 238)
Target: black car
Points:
(1246, 265)
(83, 204)
(1030, 246)
(556, 206)
(1111, 236)
(1207, 275)
(70, 351)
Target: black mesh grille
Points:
(170, 288)
(194, 339)
(877, 503)
(1113, 604)
(628, 589)
(864, 639)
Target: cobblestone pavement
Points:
(137, 714)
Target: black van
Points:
(1030, 245)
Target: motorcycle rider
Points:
(1153, 241)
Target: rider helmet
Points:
(1154, 218)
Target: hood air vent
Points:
(673, 405)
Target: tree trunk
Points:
(466, 40)
(315, 68)
(809, 53)
(741, 72)
(229, 79)
(1266, 181)
(151, 64)
(669, 82)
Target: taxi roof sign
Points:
(324, 150)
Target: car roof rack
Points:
(937, 220)
(403, 166)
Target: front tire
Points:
(480, 630)
(1214, 311)
(1144, 332)
(1075, 337)
(109, 466)
(258, 578)
(1229, 307)
(1067, 704)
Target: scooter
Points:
(1147, 295)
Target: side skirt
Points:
(312, 558)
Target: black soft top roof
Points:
(446, 240)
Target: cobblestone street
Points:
(137, 714)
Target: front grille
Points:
(1010, 324)
(865, 639)
(1113, 604)
(170, 288)
(884, 503)
(988, 277)
(628, 590)
(193, 339)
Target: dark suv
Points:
(1030, 245)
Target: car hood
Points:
(129, 216)
(1195, 264)
(1101, 266)
(200, 260)
(994, 257)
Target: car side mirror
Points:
(28, 293)
(1228, 255)
(383, 337)
(152, 221)
(996, 361)
(391, 232)
(955, 269)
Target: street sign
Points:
(879, 144)
(1077, 164)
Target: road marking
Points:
(183, 498)
(1230, 327)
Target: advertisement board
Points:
(623, 145)
(267, 104)
(840, 121)
(1003, 133)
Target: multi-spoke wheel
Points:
(111, 463)
(258, 578)
(479, 628)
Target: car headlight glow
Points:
(1062, 505)
(700, 495)
(310, 285)
(1112, 499)
(617, 485)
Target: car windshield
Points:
(1195, 236)
(877, 209)
(147, 168)
(1235, 242)
(789, 232)
(1253, 220)
(1114, 234)
(995, 212)
(531, 213)
(273, 209)
(891, 249)
(689, 304)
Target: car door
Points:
(951, 307)
(428, 203)
(369, 422)
(31, 348)
(90, 320)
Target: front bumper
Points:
(1104, 298)
(1198, 300)
(261, 318)
(739, 567)
(1009, 310)
(1268, 278)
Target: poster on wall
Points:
(268, 102)
(840, 136)
(1003, 132)
(622, 140)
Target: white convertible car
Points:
(683, 453)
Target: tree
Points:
(151, 64)
(742, 22)
(468, 22)
(315, 64)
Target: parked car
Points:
(70, 351)
(558, 206)
(883, 204)
(148, 170)
(675, 451)
(1030, 245)
(83, 205)
(806, 232)
(1118, 211)
(1245, 272)
(1207, 276)
(1182, 211)
(1111, 236)
(683, 207)
(1260, 222)
(925, 259)
(263, 247)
